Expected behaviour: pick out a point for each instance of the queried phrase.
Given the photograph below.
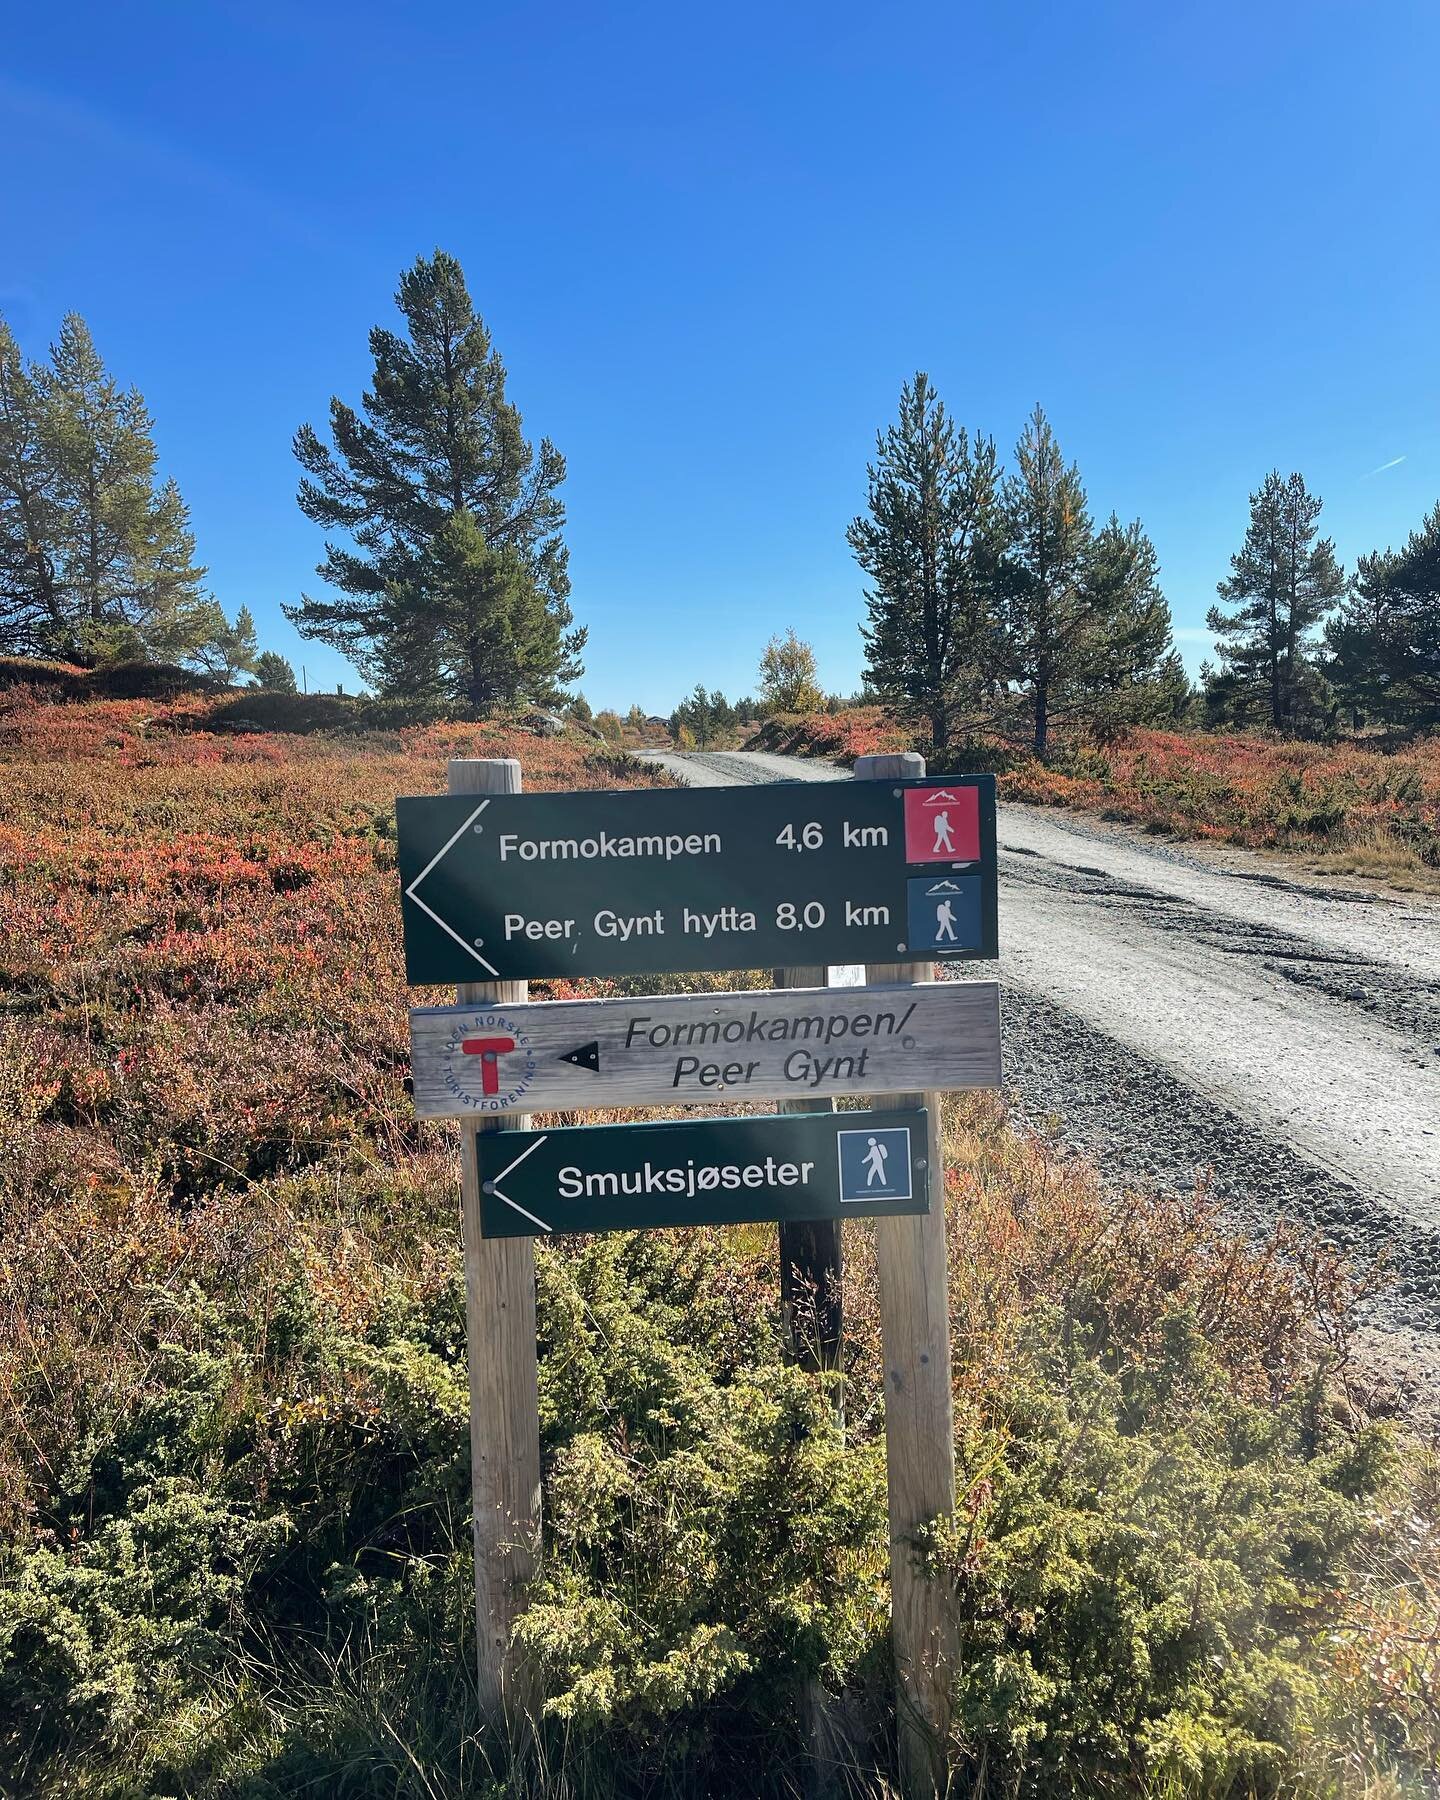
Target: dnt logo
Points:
(489, 1062)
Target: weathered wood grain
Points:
(504, 1392)
(941, 1035)
(919, 1422)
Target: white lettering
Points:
(592, 849)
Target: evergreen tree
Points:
(1282, 583)
(1082, 624)
(273, 673)
(1384, 643)
(1361, 643)
(233, 650)
(705, 716)
(1130, 674)
(100, 439)
(96, 561)
(32, 612)
(929, 548)
(456, 585)
(173, 619)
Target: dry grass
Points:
(202, 1056)
(1346, 808)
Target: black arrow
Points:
(586, 1057)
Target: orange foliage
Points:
(1233, 788)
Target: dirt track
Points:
(1178, 1012)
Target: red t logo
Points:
(489, 1051)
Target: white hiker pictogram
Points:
(875, 1160)
(943, 839)
(945, 923)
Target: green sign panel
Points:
(518, 886)
(702, 1172)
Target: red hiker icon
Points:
(942, 825)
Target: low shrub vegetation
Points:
(1348, 807)
(234, 1540)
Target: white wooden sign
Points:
(797, 1043)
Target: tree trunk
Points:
(476, 684)
(940, 728)
(1042, 717)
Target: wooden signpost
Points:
(798, 1043)
(799, 875)
(502, 1359)
(913, 1267)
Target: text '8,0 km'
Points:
(518, 886)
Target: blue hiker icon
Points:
(874, 1165)
(944, 913)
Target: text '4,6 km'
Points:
(527, 885)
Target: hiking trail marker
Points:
(703, 1172)
(892, 871)
(794, 1043)
(645, 881)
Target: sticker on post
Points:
(942, 825)
(945, 914)
(874, 1165)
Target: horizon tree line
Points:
(993, 599)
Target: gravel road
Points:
(1175, 1012)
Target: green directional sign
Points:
(518, 886)
(702, 1172)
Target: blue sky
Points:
(712, 242)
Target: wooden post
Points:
(500, 1334)
(812, 1265)
(919, 1417)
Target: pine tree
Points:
(929, 548)
(233, 650)
(273, 673)
(100, 438)
(1082, 624)
(456, 585)
(96, 561)
(696, 715)
(1129, 673)
(1282, 583)
(1363, 644)
(173, 618)
(32, 613)
(1384, 643)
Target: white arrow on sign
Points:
(430, 912)
(493, 1185)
